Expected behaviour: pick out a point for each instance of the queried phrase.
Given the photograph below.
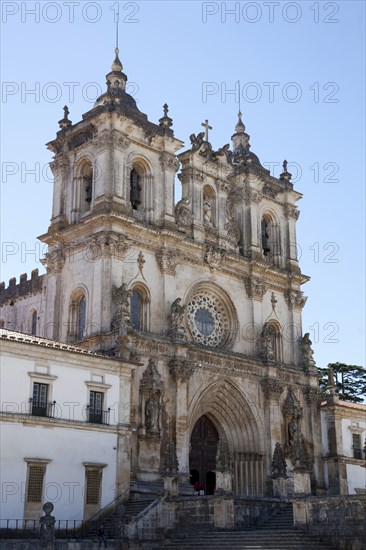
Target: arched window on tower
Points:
(82, 318)
(135, 189)
(77, 317)
(270, 239)
(82, 195)
(139, 304)
(87, 187)
(265, 237)
(34, 323)
(276, 341)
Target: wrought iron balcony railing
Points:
(42, 409)
(98, 416)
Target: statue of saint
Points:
(307, 351)
(176, 327)
(267, 352)
(122, 317)
(152, 415)
(207, 213)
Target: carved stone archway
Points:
(236, 423)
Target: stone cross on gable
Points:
(207, 127)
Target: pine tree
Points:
(350, 381)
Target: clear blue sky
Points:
(301, 69)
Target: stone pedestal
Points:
(223, 482)
(223, 513)
(302, 484)
(280, 487)
(171, 485)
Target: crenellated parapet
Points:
(25, 287)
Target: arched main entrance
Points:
(239, 423)
(202, 456)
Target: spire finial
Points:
(117, 65)
(239, 98)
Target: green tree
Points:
(350, 381)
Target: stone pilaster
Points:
(272, 390)
(181, 370)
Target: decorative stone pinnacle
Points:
(285, 174)
(165, 121)
(65, 122)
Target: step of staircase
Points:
(277, 533)
(279, 539)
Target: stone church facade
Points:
(202, 297)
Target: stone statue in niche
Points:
(266, 343)
(176, 327)
(122, 317)
(152, 415)
(296, 448)
(293, 432)
(183, 215)
(278, 462)
(307, 354)
(207, 212)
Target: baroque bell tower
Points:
(113, 170)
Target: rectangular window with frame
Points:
(36, 474)
(93, 486)
(356, 444)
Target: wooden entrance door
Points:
(202, 456)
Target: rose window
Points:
(207, 320)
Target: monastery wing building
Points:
(194, 310)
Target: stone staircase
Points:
(112, 522)
(276, 534)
